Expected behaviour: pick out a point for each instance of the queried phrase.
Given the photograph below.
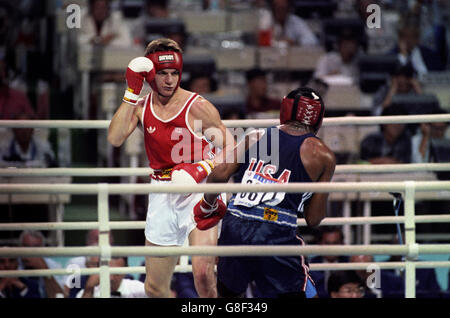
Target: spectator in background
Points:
(387, 284)
(409, 49)
(328, 235)
(429, 15)
(425, 140)
(392, 144)
(23, 149)
(158, 10)
(233, 113)
(345, 284)
(16, 287)
(49, 286)
(121, 287)
(104, 27)
(12, 101)
(344, 61)
(152, 9)
(403, 81)
(83, 262)
(289, 28)
(202, 83)
(257, 99)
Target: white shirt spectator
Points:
(296, 30)
(51, 264)
(38, 154)
(129, 288)
(416, 60)
(114, 24)
(416, 156)
(332, 64)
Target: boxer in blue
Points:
(290, 152)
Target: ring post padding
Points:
(413, 252)
(410, 240)
(410, 279)
(103, 240)
(410, 224)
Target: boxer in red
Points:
(182, 133)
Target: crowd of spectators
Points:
(420, 47)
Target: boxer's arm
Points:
(213, 129)
(320, 162)
(124, 122)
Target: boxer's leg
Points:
(203, 266)
(159, 271)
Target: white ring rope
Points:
(139, 225)
(124, 172)
(81, 188)
(241, 250)
(188, 268)
(242, 123)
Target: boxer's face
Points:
(166, 81)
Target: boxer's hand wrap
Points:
(191, 173)
(139, 69)
(208, 215)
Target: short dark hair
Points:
(253, 73)
(347, 34)
(157, 3)
(329, 229)
(199, 74)
(161, 45)
(339, 278)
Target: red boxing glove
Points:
(191, 173)
(139, 69)
(207, 216)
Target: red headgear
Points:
(166, 59)
(304, 106)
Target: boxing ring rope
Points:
(140, 225)
(127, 172)
(294, 187)
(188, 268)
(411, 249)
(242, 123)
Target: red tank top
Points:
(172, 141)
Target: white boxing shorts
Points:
(170, 216)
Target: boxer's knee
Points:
(204, 276)
(154, 290)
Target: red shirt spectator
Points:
(12, 101)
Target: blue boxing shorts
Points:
(273, 276)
